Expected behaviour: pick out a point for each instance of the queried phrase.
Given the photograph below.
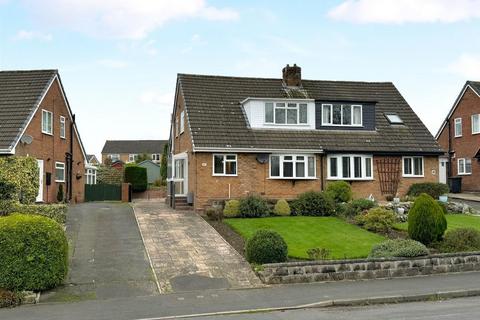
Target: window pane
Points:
(279, 115)
(326, 114)
(301, 158)
(346, 167)
(476, 123)
(418, 166)
(461, 166)
(292, 116)
(337, 114)
(300, 169)
(303, 113)
(407, 166)
(230, 167)
(288, 158)
(288, 169)
(333, 167)
(357, 115)
(368, 167)
(311, 166)
(468, 166)
(218, 164)
(458, 127)
(275, 166)
(269, 112)
(357, 165)
(231, 157)
(347, 115)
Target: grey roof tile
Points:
(134, 146)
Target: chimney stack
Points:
(292, 76)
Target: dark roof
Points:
(144, 162)
(475, 86)
(20, 94)
(91, 157)
(134, 146)
(217, 120)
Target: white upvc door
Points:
(180, 174)
(442, 170)
(40, 181)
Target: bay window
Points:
(464, 166)
(413, 166)
(342, 114)
(349, 167)
(292, 166)
(224, 164)
(290, 113)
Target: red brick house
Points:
(231, 136)
(36, 120)
(460, 136)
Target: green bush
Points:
(426, 220)
(22, 174)
(57, 212)
(137, 177)
(33, 253)
(398, 248)
(109, 175)
(253, 207)
(266, 246)
(313, 203)
(232, 209)
(461, 240)
(340, 191)
(60, 193)
(282, 208)
(433, 189)
(356, 207)
(9, 299)
(377, 220)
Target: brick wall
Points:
(52, 148)
(468, 144)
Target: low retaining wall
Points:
(361, 269)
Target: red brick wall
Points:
(52, 148)
(468, 144)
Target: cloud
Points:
(157, 98)
(32, 35)
(404, 11)
(112, 63)
(126, 19)
(466, 66)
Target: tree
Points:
(164, 163)
(142, 157)
(426, 221)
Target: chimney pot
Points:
(292, 76)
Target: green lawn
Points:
(303, 233)
(454, 221)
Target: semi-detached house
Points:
(232, 136)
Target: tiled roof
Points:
(217, 120)
(134, 146)
(475, 85)
(20, 93)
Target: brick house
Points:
(128, 151)
(231, 136)
(36, 120)
(460, 136)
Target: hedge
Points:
(33, 253)
(21, 176)
(339, 191)
(404, 248)
(137, 177)
(313, 203)
(433, 189)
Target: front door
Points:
(180, 175)
(442, 170)
(40, 181)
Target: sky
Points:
(118, 59)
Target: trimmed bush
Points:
(57, 212)
(398, 248)
(137, 177)
(426, 221)
(60, 193)
(9, 299)
(340, 191)
(22, 174)
(461, 240)
(282, 208)
(266, 246)
(313, 203)
(232, 209)
(433, 189)
(356, 207)
(377, 220)
(109, 175)
(33, 253)
(253, 207)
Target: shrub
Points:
(357, 207)
(22, 174)
(426, 221)
(433, 189)
(109, 175)
(461, 239)
(398, 248)
(266, 246)
(377, 220)
(57, 212)
(33, 253)
(313, 203)
(318, 253)
(137, 177)
(253, 207)
(340, 191)
(214, 214)
(9, 299)
(282, 208)
(164, 164)
(232, 209)
(60, 193)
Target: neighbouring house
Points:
(92, 160)
(129, 151)
(36, 120)
(153, 170)
(91, 168)
(231, 136)
(459, 135)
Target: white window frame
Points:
(133, 156)
(114, 155)
(61, 167)
(62, 127)
(293, 161)
(225, 160)
(413, 175)
(90, 176)
(286, 108)
(156, 156)
(463, 171)
(330, 121)
(45, 128)
(339, 176)
(458, 121)
(177, 128)
(477, 117)
(182, 122)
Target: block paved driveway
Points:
(187, 253)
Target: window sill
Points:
(350, 179)
(292, 178)
(224, 175)
(457, 136)
(286, 124)
(465, 174)
(409, 176)
(47, 133)
(60, 181)
(475, 133)
(63, 138)
(342, 125)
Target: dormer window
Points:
(286, 113)
(393, 118)
(342, 115)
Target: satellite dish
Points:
(26, 139)
(262, 157)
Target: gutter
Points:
(256, 150)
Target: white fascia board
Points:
(277, 99)
(257, 150)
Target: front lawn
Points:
(454, 221)
(302, 233)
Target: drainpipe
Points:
(321, 172)
(70, 163)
